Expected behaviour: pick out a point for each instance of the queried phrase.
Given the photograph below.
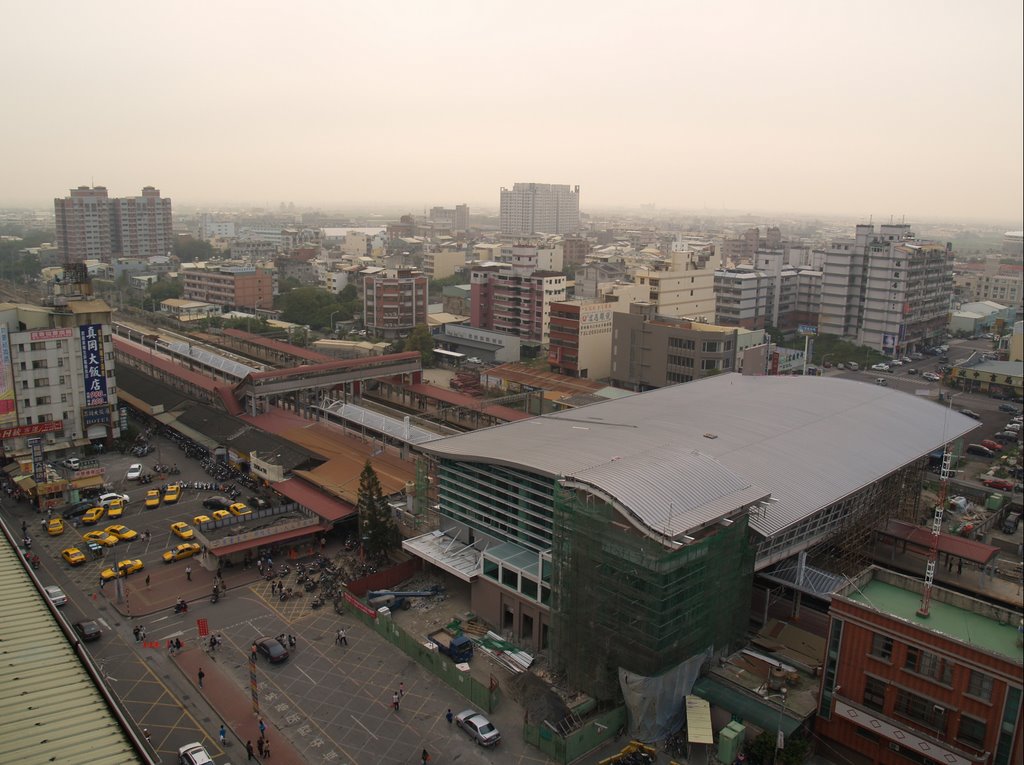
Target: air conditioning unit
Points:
(894, 746)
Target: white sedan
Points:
(931, 377)
(880, 367)
(134, 472)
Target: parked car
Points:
(271, 649)
(106, 499)
(881, 368)
(72, 556)
(478, 727)
(913, 371)
(72, 463)
(124, 568)
(979, 450)
(239, 508)
(182, 551)
(134, 472)
(88, 630)
(259, 503)
(931, 376)
(917, 356)
(56, 595)
(194, 754)
(199, 520)
(1005, 437)
(220, 515)
(1013, 427)
(971, 413)
(1009, 408)
(217, 503)
(1002, 484)
(1010, 523)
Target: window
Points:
(972, 732)
(711, 346)
(920, 710)
(490, 569)
(881, 647)
(874, 694)
(929, 664)
(979, 685)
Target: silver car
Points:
(56, 595)
(479, 727)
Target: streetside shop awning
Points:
(698, 721)
(171, 420)
(89, 482)
(25, 482)
(763, 714)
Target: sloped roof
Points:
(699, 447)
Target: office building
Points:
(92, 226)
(540, 208)
(234, 288)
(581, 338)
(886, 289)
(684, 285)
(394, 301)
(991, 280)
(444, 261)
(899, 687)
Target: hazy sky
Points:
(903, 108)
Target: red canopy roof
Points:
(327, 507)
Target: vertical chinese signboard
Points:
(8, 408)
(93, 365)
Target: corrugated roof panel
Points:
(809, 441)
(50, 709)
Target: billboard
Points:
(8, 405)
(94, 368)
(38, 465)
(31, 430)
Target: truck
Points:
(458, 647)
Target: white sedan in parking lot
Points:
(880, 367)
(134, 472)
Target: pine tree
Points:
(379, 531)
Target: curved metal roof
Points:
(711, 445)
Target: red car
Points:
(1002, 484)
(993, 445)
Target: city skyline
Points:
(911, 110)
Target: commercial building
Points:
(394, 301)
(886, 289)
(978, 374)
(899, 687)
(443, 262)
(625, 535)
(772, 292)
(90, 225)
(57, 381)
(982, 316)
(581, 338)
(991, 280)
(540, 208)
(484, 344)
(244, 288)
(684, 286)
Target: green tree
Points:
(187, 249)
(376, 525)
(167, 288)
(421, 340)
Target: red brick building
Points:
(901, 688)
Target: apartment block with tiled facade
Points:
(394, 301)
(232, 287)
(901, 688)
(515, 300)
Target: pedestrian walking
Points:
(135, 632)
(395, 699)
(342, 638)
(259, 745)
(259, 567)
(280, 585)
(252, 656)
(291, 641)
(213, 644)
(188, 573)
(248, 750)
(201, 676)
(223, 735)
(142, 632)
(448, 715)
(273, 588)
(147, 580)
(266, 749)
(170, 648)
(177, 644)
(401, 689)
(263, 731)
(425, 757)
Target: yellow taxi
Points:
(153, 498)
(100, 537)
(172, 494)
(181, 529)
(220, 515)
(73, 556)
(239, 508)
(115, 508)
(93, 515)
(184, 550)
(199, 520)
(124, 568)
(123, 533)
(55, 527)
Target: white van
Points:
(852, 365)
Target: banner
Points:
(8, 406)
(31, 430)
(95, 415)
(94, 367)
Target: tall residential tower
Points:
(540, 208)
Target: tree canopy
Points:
(313, 306)
(187, 249)
(164, 289)
(421, 340)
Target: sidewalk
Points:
(234, 708)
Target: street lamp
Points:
(779, 737)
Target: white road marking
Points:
(363, 727)
(307, 675)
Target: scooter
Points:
(181, 607)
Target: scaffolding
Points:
(627, 599)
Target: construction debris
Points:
(504, 652)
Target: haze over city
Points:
(907, 109)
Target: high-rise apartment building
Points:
(886, 289)
(515, 299)
(92, 226)
(457, 218)
(394, 301)
(540, 208)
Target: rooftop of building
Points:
(967, 620)
(677, 458)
